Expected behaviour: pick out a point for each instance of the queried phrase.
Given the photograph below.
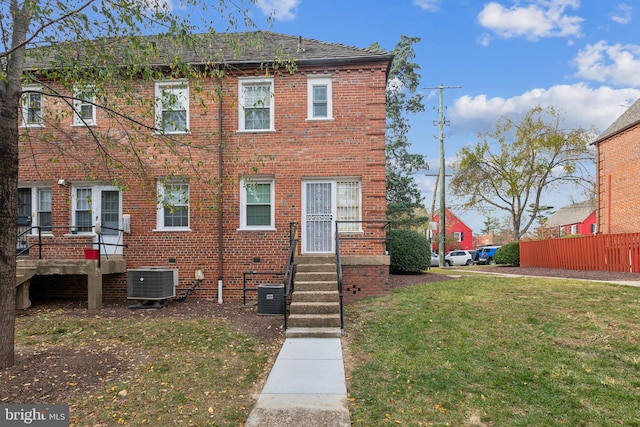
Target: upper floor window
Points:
(257, 204)
(32, 107)
(458, 235)
(173, 206)
(319, 98)
(172, 107)
(256, 104)
(84, 106)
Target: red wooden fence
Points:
(608, 252)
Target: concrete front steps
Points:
(315, 302)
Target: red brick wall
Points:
(364, 281)
(351, 145)
(618, 177)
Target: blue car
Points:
(486, 254)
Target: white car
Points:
(458, 258)
(435, 260)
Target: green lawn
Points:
(496, 351)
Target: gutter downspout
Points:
(220, 175)
(598, 192)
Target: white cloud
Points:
(616, 64)
(431, 5)
(579, 105)
(542, 18)
(622, 14)
(283, 10)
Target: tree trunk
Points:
(8, 220)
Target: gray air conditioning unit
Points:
(152, 283)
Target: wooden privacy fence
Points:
(608, 252)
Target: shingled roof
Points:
(572, 214)
(628, 119)
(246, 49)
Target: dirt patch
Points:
(46, 373)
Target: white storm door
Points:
(318, 217)
(109, 214)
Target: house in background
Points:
(457, 234)
(486, 240)
(278, 149)
(575, 219)
(618, 175)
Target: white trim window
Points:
(348, 205)
(172, 107)
(458, 235)
(32, 106)
(257, 204)
(574, 229)
(43, 217)
(82, 204)
(319, 98)
(173, 206)
(84, 107)
(256, 106)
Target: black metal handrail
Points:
(339, 271)
(349, 235)
(250, 276)
(290, 269)
(40, 243)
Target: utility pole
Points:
(441, 123)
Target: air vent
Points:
(152, 283)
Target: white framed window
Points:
(257, 204)
(173, 206)
(574, 229)
(32, 106)
(319, 98)
(43, 216)
(256, 106)
(348, 205)
(458, 235)
(84, 106)
(82, 204)
(594, 228)
(172, 107)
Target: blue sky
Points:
(581, 57)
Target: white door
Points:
(318, 217)
(109, 214)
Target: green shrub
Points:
(508, 254)
(409, 250)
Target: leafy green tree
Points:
(403, 195)
(93, 43)
(489, 224)
(511, 167)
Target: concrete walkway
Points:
(306, 387)
(491, 273)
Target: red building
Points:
(575, 219)
(458, 234)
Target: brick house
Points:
(617, 174)
(575, 219)
(277, 149)
(458, 234)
